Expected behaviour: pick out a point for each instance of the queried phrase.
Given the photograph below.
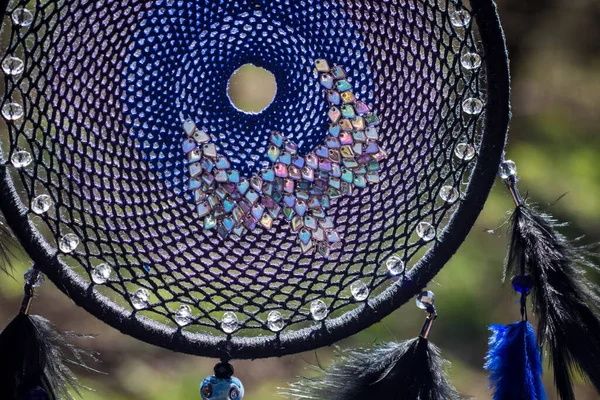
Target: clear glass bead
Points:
(449, 194)
(183, 315)
(275, 321)
(28, 275)
(359, 290)
(13, 65)
(507, 169)
(21, 158)
(140, 299)
(472, 106)
(41, 204)
(464, 151)
(426, 231)
(68, 243)
(470, 61)
(101, 274)
(22, 17)
(229, 322)
(12, 111)
(460, 18)
(395, 265)
(318, 310)
(425, 298)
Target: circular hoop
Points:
(330, 330)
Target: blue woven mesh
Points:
(188, 53)
(105, 85)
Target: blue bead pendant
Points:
(222, 385)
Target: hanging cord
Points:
(31, 282)
(428, 324)
(511, 184)
(524, 288)
(521, 283)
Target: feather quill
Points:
(564, 301)
(409, 370)
(514, 363)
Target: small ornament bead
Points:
(12, 111)
(101, 274)
(322, 65)
(395, 265)
(229, 322)
(425, 299)
(522, 283)
(318, 310)
(183, 316)
(21, 159)
(275, 321)
(140, 299)
(472, 106)
(22, 17)
(41, 204)
(507, 169)
(189, 127)
(12, 65)
(326, 81)
(426, 231)
(464, 151)
(449, 194)
(68, 243)
(221, 388)
(460, 18)
(338, 72)
(359, 290)
(28, 275)
(343, 85)
(470, 61)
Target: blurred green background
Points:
(555, 140)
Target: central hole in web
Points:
(251, 89)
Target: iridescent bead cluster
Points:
(298, 188)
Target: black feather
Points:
(35, 358)
(7, 243)
(409, 370)
(564, 301)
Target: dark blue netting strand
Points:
(96, 93)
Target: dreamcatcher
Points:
(136, 187)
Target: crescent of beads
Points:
(299, 188)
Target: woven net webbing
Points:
(104, 87)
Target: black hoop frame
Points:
(331, 330)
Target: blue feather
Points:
(514, 363)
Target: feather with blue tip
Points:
(565, 302)
(514, 363)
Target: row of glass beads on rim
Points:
(230, 322)
(14, 66)
(275, 320)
